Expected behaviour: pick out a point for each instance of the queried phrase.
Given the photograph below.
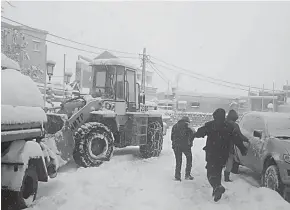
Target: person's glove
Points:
(244, 151)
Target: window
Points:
(120, 84)
(195, 104)
(36, 45)
(131, 81)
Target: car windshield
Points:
(279, 127)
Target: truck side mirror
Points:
(258, 134)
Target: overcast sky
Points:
(240, 42)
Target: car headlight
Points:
(286, 158)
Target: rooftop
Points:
(107, 58)
(19, 27)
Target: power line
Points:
(66, 39)
(75, 48)
(212, 78)
(193, 76)
(158, 73)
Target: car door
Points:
(246, 124)
(255, 123)
(257, 144)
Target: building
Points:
(150, 90)
(198, 102)
(27, 46)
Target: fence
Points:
(196, 118)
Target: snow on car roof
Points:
(272, 115)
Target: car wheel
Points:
(271, 179)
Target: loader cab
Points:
(116, 83)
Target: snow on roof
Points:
(9, 63)
(107, 58)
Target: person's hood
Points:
(232, 116)
(219, 115)
(181, 123)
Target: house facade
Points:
(27, 46)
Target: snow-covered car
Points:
(268, 148)
(25, 160)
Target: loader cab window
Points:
(103, 82)
(130, 90)
(119, 85)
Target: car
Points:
(268, 148)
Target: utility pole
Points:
(143, 88)
(273, 97)
(64, 76)
(287, 91)
(263, 98)
(45, 72)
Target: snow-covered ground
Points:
(128, 182)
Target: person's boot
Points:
(188, 177)
(177, 178)
(227, 176)
(218, 192)
(235, 168)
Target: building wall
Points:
(35, 48)
(206, 104)
(83, 74)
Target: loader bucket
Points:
(58, 138)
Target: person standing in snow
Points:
(182, 141)
(219, 134)
(232, 117)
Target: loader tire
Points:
(154, 144)
(94, 144)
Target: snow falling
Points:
(129, 182)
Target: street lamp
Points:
(49, 70)
(50, 65)
(67, 76)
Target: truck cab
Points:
(25, 160)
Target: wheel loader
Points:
(112, 115)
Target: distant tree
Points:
(13, 45)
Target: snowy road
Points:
(128, 182)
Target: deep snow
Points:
(128, 182)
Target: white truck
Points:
(25, 159)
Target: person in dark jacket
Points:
(219, 134)
(182, 141)
(232, 117)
